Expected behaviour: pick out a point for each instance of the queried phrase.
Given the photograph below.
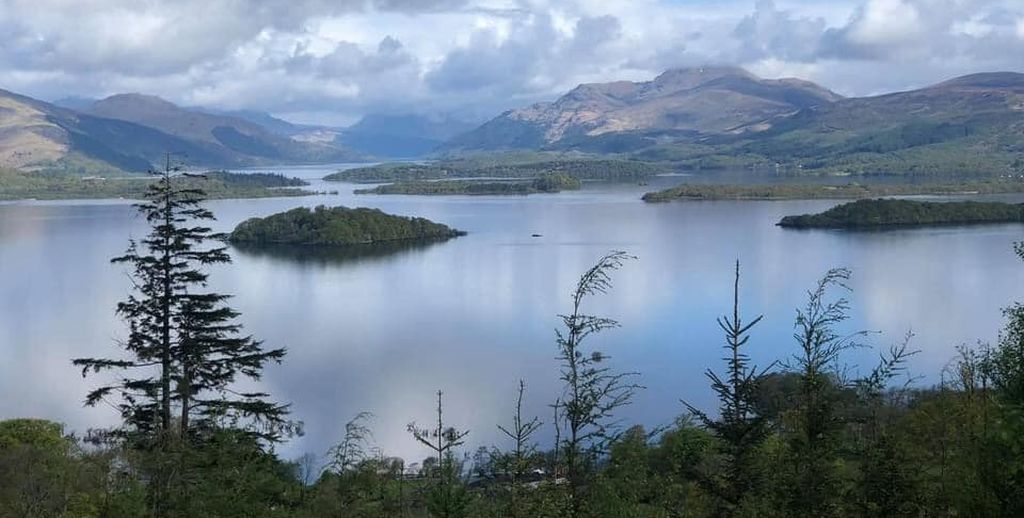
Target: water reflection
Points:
(328, 255)
(383, 331)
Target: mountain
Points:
(965, 125)
(267, 121)
(401, 136)
(36, 134)
(715, 118)
(131, 132)
(693, 101)
(75, 102)
(235, 140)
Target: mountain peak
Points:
(991, 80)
(693, 77)
(137, 99)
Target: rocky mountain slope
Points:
(709, 100)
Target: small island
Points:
(881, 213)
(845, 191)
(337, 226)
(547, 183)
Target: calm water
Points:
(472, 316)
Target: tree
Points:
(184, 350)
(739, 426)
(183, 342)
(888, 484)
(448, 499)
(517, 462)
(591, 392)
(815, 423)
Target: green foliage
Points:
(791, 191)
(15, 185)
(451, 187)
(546, 183)
(185, 350)
(338, 226)
(888, 213)
(591, 391)
(33, 433)
(495, 166)
(740, 429)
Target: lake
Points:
(471, 316)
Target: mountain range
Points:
(714, 117)
(130, 132)
(706, 117)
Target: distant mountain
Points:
(966, 125)
(401, 136)
(713, 118)
(75, 103)
(37, 134)
(265, 120)
(707, 100)
(236, 140)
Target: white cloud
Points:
(886, 23)
(337, 59)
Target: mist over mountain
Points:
(402, 136)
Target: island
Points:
(42, 185)
(846, 191)
(546, 183)
(510, 166)
(882, 213)
(337, 226)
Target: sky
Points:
(332, 61)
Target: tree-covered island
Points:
(505, 166)
(337, 226)
(899, 213)
(846, 191)
(20, 185)
(546, 183)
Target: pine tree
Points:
(813, 437)
(184, 348)
(740, 428)
(448, 498)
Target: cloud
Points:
(770, 33)
(334, 60)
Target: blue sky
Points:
(331, 61)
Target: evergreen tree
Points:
(184, 349)
(815, 422)
(591, 392)
(448, 498)
(516, 463)
(740, 428)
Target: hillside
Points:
(35, 134)
(234, 139)
(130, 132)
(728, 119)
(707, 100)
